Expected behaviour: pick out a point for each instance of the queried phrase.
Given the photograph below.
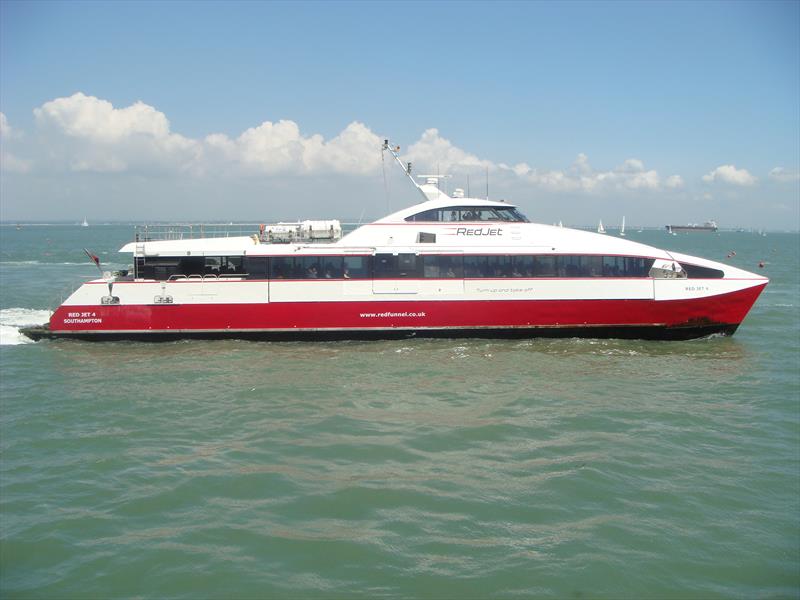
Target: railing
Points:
(283, 232)
(154, 233)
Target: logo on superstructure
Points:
(479, 231)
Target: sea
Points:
(468, 468)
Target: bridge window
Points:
(470, 213)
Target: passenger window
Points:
(356, 267)
(474, 266)
(399, 266)
(442, 267)
(255, 267)
(593, 266)
(522, 266)
(282, 267)
(545, 266)
(332, 267)
(231, 265)
(309, 267)
(212, 265)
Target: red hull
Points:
(700, 313)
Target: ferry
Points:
(449, 266)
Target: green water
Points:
(424, 468)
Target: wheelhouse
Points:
(508, 214)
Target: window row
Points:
(471, 213)
(166, 267)
(393, 266)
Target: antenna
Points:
(395, 152)
(385, 184)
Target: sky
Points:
(665, 112)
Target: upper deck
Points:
(439, 223)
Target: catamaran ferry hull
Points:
(596, 318)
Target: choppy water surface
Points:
(430, 468)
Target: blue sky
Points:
(601, 102)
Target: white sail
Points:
(600, 228)
(622, 228)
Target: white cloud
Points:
(89, 134)
(13, 164)
(83, 116)
(731, 175)
(280, 148)
(83, 133)
(5, 128)
(581, 176)
(674, 181)
(9, 162)
(93, 135)
(432, 151)
(781, 175)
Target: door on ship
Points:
(396, 273)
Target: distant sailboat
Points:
(560, 224)
(600, 228)
(622, 229)
(85, 222)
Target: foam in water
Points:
(11, 319)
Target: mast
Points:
(394, 151)
(430, 190)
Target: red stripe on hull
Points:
(728, 309)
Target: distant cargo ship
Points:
(707, 226)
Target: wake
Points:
(11, 319)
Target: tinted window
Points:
(356, 267)
(281, 267)
(442, 267)
(256, 267)
(476, 266)
(698, 272)
(470, 213)
(319, 267)
(522, 266)
(573, 265)
(332, 267)
(637, 267)
(545, 266)
(395, 266)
